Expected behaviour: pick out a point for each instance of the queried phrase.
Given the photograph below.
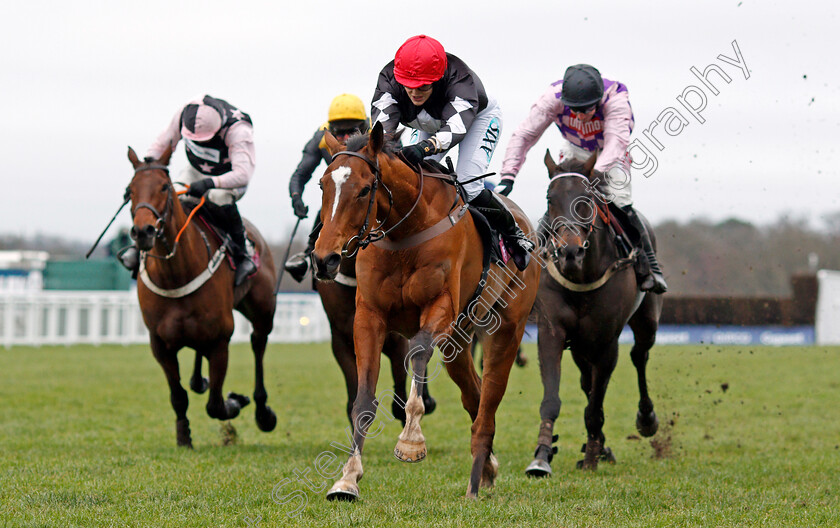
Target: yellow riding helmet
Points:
(347, 106)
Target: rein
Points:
(620, 264)
(214, 261)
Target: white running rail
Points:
(86, 317)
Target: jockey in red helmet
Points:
(439, 96)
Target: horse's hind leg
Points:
(645, 323)
(396, 348)
(177, 395)
(264, 416)
(498, 360)
(411, 446)
(551, 341)
(217, 406)
(198, 383)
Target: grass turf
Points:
(748, 437)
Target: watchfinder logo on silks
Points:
(491, 138)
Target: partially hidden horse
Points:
(339, 300)
(187, 296)
(419, 282)
(589, 293)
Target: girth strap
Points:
(445, 223)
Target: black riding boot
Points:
(299, 262)
(502, 219)
(244, 265)
(654, 281)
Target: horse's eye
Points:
(364, 192)
(165, 187)
(321, 185)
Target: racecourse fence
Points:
(113, 317)
(57, 317)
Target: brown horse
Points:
(584, 301)
(180, 310)
(419, 283)
(339, 300)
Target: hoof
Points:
(430, 405)
(266, 419)
(489, 472)
(182, 433)
(647, 427)
(538, 469)
(521, 359)
(241, 399)
(607, 456)
(343, 491)
(410, 451)
(199, 385)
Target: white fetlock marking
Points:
(414, 410)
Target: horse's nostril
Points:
(580, 251)
(149, 230)
(133, 232)
(332, 261)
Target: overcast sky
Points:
(82, 80)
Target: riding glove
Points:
(301, 210)
(414, 154)
(505, 186)
(200, 187)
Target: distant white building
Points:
(22, 270)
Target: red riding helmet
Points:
(420, 60)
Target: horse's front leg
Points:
(217, 406)
(369, 332)
(594, 414)
(551, 341)
(168, 360)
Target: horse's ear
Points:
(164, 158)
(377, 138)
(590, 164)
(549, 163)
(132, 157)
(333, 144)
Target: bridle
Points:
(364, 238)
(574, 226)
(161, 218)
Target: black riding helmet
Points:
(582, 86)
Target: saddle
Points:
(215, 222)
(494, 250)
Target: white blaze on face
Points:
(339, 176)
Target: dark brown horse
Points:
(339, 300)
(187, 296)
(584, 301)
(419, 283)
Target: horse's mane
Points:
(570, 164)
(357, 142)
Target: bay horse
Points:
(584, 301)
(418, 282)
(182, 311)
(338, 298)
